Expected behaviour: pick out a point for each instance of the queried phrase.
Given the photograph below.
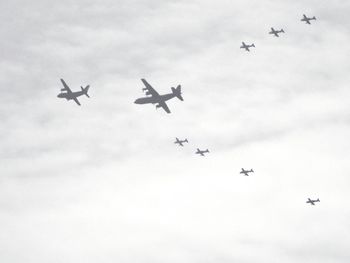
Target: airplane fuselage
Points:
(155, 99)
(70, 96)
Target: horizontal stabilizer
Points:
(85, 90)
(177, 92)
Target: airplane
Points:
(202, 152)
(276, 32)
(68, 94)
(246, 47)
(312, 202)
(180, 142)
(157, 99)
(307, 19)
(246, 172)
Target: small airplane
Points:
(180, 142)
(202, 152)
(157, 99)
(68, 94)
(276, 32)
(246, 172)
(312, 202)
(246, 47)
(307, 19)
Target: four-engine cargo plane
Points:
(68, 94)
(157, 99)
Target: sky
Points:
(105, 182)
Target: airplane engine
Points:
(148, 93)
(63, 89)
(158, 106)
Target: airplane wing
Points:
(150, 89)
(307, 21)
(66, 88)
(77, 101)
(164, 106)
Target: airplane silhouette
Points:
(246, 47)
(68, 94)
(180, 142)
(157, 99)
(308, 19)
(202, 152)
(276, 32)
(312, 202)
(246, 172)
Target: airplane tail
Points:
(282, 30)
(314, 18)
(252, 170)
(85, 90)
(253, 45)
(185, 140)
(207, 150)
(318, 200)
(177, 92)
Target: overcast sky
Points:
(104, 182)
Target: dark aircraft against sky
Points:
(180, 142)
(202, 152)
(246, 47)
(155, 98)
(312, 202)
(68, 94)
(308, 19)
(246, 172)
(276, 32)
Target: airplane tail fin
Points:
(252, 170)
(85, 90)
(185, 140)
(253, 45)
(318, 200)
(177, 92)
(207, 150)
(314, 17)
(282, 30)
